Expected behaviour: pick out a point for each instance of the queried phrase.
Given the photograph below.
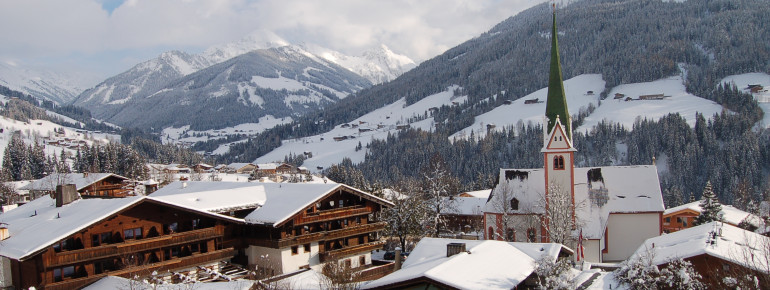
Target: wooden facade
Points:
(679, 220)
(110, 186)
(136, 241)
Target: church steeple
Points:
(556, 104)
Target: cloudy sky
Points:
(109, 36)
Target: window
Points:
(307, 248)
(514, 204)
(668, 219)
(531, 235)
(101, 239)
(341, 202)
(491, 235)
(510, 235)
(294, 250)
(558, 162)
(132, 233)
(60, 274)
(361, 261)
(684, 222)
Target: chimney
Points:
(454, 248)
(65, 193)
(184, 184)
(397, 265)
(85, 174)
(4, 232)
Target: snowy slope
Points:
(763, 97)
(183, 135)
(375, 125)
(378, 65)
(677, 100)
(576, 88)
(41, 84)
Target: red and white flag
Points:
(580, 250)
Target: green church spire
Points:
(556, 104)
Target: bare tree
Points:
(438, 184)
(406, 217)
(338, 275)
(560, 220)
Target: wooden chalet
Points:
(87, 184)
(530, 101)
(683, 216)
(241, 167)
(296, 225)
(652, 97)
(70, 245)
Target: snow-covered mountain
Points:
(43, 84)
(378, 65)
(283, 82)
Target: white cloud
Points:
(37, 30)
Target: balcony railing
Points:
(332, 214)
(312, 237)
(349, 251)
(132, 246)
(179, 263)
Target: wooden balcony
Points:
(349, 251)
(319, 236)
(145, 270)
(131, 246)
(332, 214)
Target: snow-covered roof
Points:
(212, 196)
(731, 244)
(487, 264)
(80, 180)
(39, 223)
(537, 250)
(238, 165)
(284, 200)
(465, 205)
(268, 166)
(273, 203)
(479, 193)
(730, 214)
(610, 189)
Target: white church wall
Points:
(627, 231)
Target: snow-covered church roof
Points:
(599, 191)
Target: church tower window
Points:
(558, 162)
(514, 204)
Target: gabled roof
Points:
(715, 239)
(268, 166)
(80, 180)
(284, 200)
(479, 193)
(273, 203)
(730, 214)
(39, 223)
(239, 165)
(486, 265)
(464, 205)
(599, 191)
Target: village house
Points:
(286, 227)
(683, 216)
(716, 251)
(87, 184)
(466, 264)
(243, 168)
(202, 167)
(464, 216)
(610, 210)
(66, 242)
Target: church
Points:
(605, 213)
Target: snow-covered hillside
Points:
(185, 136)
(578, 98)
(378, 65)
(675, 99)
(327, 150)
(44, 132)
(762, 96)
(42, 84)
(582, 91)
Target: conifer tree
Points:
(711, 209)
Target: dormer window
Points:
(558, 162)
(514, 204)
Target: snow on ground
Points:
(576, 88)
(44, 130)
(763, 96)
(183, 134)
(677, 100)
(375, 125)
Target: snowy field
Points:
(677, 100)
(375, 125)
(576, 88)
(763, 97)
(172, 135)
